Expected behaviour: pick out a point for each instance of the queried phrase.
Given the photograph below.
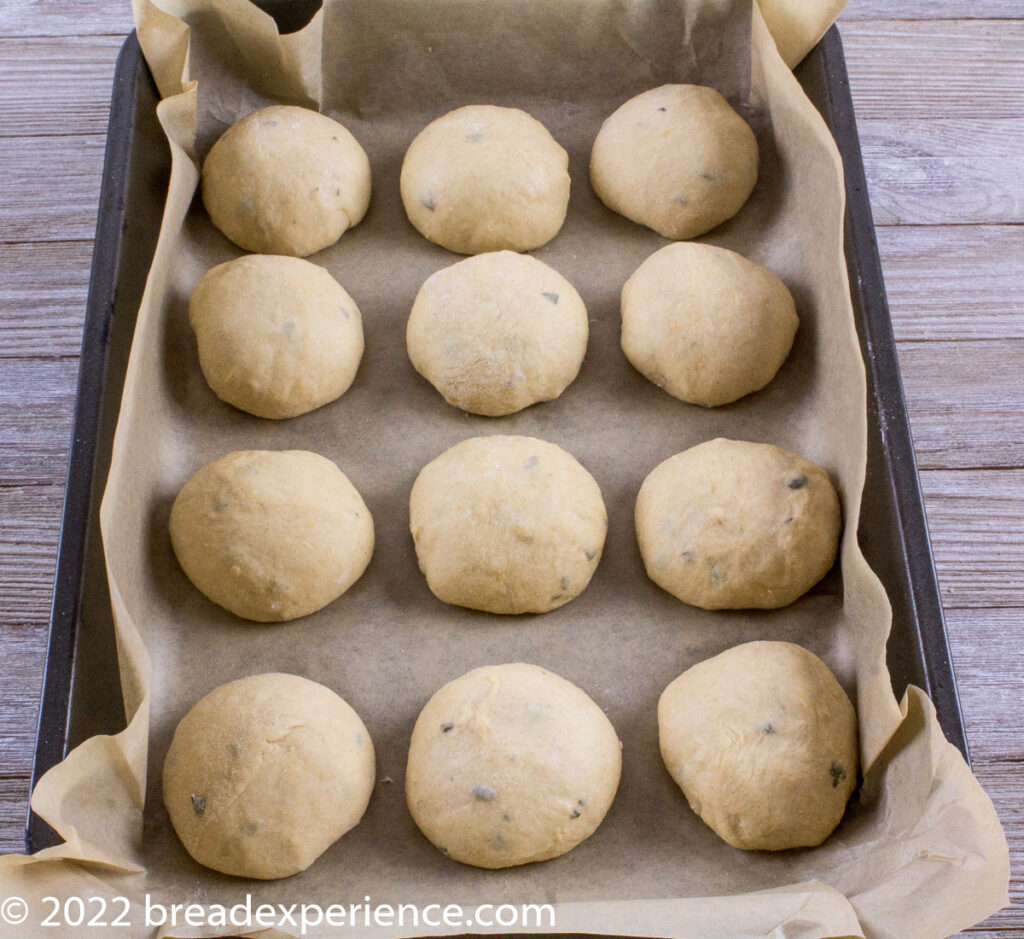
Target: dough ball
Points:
(763, 742)
(510, 764)
(497, 333)
(286, 180)
(706, 324)
(271, 535)
(265, 773)
(277, 336)
(507, 525)
(484, 178)
(735, 525)
(677, 159)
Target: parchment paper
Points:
(920, 852)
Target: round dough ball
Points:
(277, 336)
(271, 535)
(507, 525)
(286, 180)
(497, 333)
(763, 742)
(677, 159)
(706, 324)
(484, 178)
(265, 773)
(734, 525)
(510, 764)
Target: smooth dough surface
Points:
(485, 178)
(271, 534)
(286, 180)
(677, 159)
(730, 524)
(706, 324)
(511, 764)
(507, 525)
(763, 742)
(278, 336)
(497, 333)
(265, 773)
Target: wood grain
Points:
(35, 104)
(931, 10)
(59, 18)
(966, 402)
(943, 69)
(57, 180)
(43, 288)
(955, 283)
(946, 171)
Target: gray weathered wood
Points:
(57, 180)
(931, 10)
(966, 401)
(940, 171)
(955, 283)
(60, 18)
(57, 85)
(942, 69)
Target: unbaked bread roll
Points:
(733, 525)
(763, 742)
(507, 525)
(278, 336)
(706, 324)
(484, 178)
(677, 159)
(271, 535)
(265, 773)
(497, 333)
(286, 180)
(511, 764)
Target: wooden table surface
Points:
(939, 95)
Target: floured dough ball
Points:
(677, 159)
(277, 336)
(510, 764)
(286, 180)
(484, 178)
(706, 324)
(507, 525)
(497, 333)
(763, 742)
(265, 773)
(271, 535)
(735, 525)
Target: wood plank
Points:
(944, 171)
(941, 69)
(37, 399)
(966, 401)
(57, 180)
(954, 282)
(60, 18)
(976, 519)
(58, 85)
(931, 10)
(43, 289)
(14, 790)
(986, 648)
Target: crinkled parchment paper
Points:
(920, 852)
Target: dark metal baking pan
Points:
(81, 693)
